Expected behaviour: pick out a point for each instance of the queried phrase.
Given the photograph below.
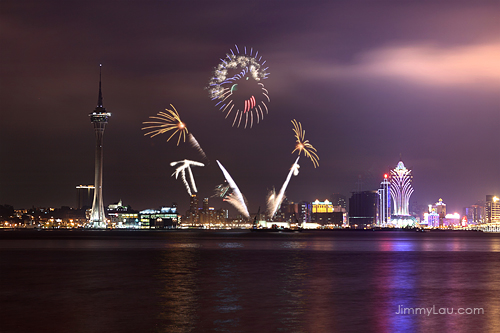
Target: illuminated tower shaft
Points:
(99, 118)
(384, 202)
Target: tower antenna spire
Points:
(99, 99)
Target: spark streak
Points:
(235, 198)
(196, 145)
(273, 201)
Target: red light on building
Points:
(386, 175)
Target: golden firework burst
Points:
(166, 122)
(304, 145)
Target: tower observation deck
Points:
(99, 118)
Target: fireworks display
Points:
(237, 88)
(196, 145)
(220, 190)
(235, 198)
(186, 164)
(304, 145)
(165, 122)
(273, 201)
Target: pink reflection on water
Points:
(396, 245)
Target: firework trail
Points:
(196, 145)
(273, 201)
(235, 198)
(304, 145)
(239, 205)
(236, 86)
(186, 164)
(165, 122)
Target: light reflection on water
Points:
(245, 282)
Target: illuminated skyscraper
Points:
(492, 209)
(401, 189)
(384, 202)
(440, 209)
(193, 214)
(99, 118)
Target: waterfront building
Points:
(121, 216)
(492, 209)
(304, 212)
(164, 218)
(401, 191)
(99, 119)
(285, 212)
(193, 214)
(452, 220)
(431, 220)
(476, 214)
(363, 209)
(384, 203)
(293, 212)
(440, 209)
(210, 217)
(117, 206)
(325, 213)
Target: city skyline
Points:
(367, 82)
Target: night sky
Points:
(368, 80)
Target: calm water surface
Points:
(239, 281)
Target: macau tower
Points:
(99, 118)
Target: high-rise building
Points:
(304, 212)
(193, 214)
(384, 202)
(84, 196)
(492, 209)
(476, 214)
(363, 209)
(339, 200)
(206, 212)
(431, 220)
(401, 189)
(326, 214)
(440, 209)
(99, 118)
